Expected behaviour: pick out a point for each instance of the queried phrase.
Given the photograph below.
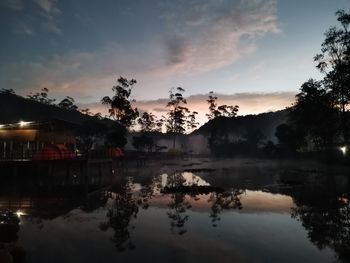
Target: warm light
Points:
(343, 149)
(2, 126)
(23, 123)
(19, 213)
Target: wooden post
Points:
(11, 149)
(68, 165)
(86, 178)
(4, 150)
(15, 170)
(51, 176)
(99, 172)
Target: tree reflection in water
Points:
(178, 204)
(123, 204)
(119, 215)
(224, 201)
(220, 199)
(147, 191)
(326, 217)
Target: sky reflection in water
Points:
(278, 218)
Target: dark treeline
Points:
(318, 121)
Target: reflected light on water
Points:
(190, 179)
(20, 213)
(23, 123)
(343, 149)
(259, 201)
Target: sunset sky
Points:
(254, 53)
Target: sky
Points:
(253, 53)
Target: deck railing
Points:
(35, 155)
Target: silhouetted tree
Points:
(98, 115)
(176, 121)
(220, 111)
(224, 201)
(253, 138)
(42, 97)
(314, 115)
(334, 62)
(178, 204)
(7, 91)
(270, 149)
(119, 216)
(68, 104)
(288, 139)
(116, 137)
(147, 122)
(89, 133)
(120, 107)
(191, 121)
(143, 142)
(325, 215)
(159, 124)
(86, 111)
(228, 111)
(218, 133)
(212, 101)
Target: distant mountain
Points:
(241, 125)
(14, 108)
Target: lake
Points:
(190, 212)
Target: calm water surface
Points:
(242, 214)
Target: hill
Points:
(239, 126)
(14, 108)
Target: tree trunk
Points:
(174, 140)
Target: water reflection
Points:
(121, 207)
(280, 215)
(224, 201)
(323, 213)
(326, 217)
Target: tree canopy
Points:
(120, 107)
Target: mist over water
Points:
(194, 212)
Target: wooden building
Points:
(27, 139)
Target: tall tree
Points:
(220, 111)
(191, 121)
(288, 140)
(7, 91)
(42, 97)
(218, 133)
(86, 111)
(334, 62)
(228, 111)
(120, 107)
(147, 122)
(212, 101)
(314, 114)
(176, 121)
(68, 103)
(159, 124)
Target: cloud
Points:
(197, 37)
(48, 6)
(50, 11)
(12, 4)
(23, 28)
(52, 27)
(208, 35)
(77, 74)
